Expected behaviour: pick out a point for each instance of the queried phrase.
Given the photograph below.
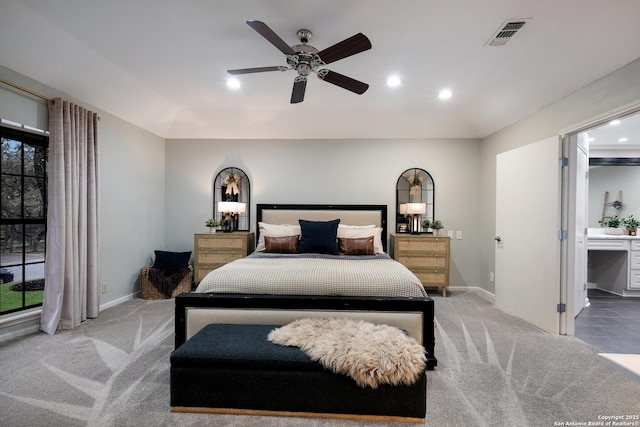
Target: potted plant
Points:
(612, 225)
(632, 225)
(425, 224)
(213, 224)
(436, 226)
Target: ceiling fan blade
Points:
(343, 81)
(272, 37)
(257, 70)
(299, 87)
(351, 46)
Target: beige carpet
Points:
(493, 370)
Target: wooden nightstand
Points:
(213, 250)
(426, 256)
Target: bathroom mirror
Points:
(232, 198)
(414, 200)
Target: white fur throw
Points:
(370, 354)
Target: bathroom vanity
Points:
(614, 262)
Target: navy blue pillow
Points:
(166, 259)
(319, 237)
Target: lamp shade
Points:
(403, 208)
(416, 208)
(227, 207)
(241, 208)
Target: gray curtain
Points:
(71, 264)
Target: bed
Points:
(228, 297)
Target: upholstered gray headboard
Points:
(348, 214)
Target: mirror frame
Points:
(425, 195)
(244, 195)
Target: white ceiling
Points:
(618, 135)
(161, 64)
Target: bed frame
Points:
(415, 315)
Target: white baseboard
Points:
(25, 323)
(19, 330)
(19, 324)
(118, 301)
(481, 291)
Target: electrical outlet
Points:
(459, 235)
(105, 288)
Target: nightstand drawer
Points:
(218, 257)
(433, 244)
(433, 277)
(221, 243)
(202, 271)
(426, 260)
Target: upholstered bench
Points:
(234, 369)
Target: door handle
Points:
(498, 239)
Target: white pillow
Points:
(275, 230)
(359, 231)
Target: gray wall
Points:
(328, 171)
(132, 202)
(613, 179)
(612, 91)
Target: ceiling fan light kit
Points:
(306, 59)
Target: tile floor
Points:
(611, 323)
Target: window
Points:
(23, 214)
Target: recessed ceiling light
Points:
(394, 81)
(445, 94)
(614, 122)
(233, 83)
(623, 139)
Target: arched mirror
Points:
(232, 199)
(414, 201)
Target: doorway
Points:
(609, 319)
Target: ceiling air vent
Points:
(507, 31)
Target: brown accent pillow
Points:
(360, 246)
(281, 244)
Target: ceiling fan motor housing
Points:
(306, 58)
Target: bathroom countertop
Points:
(598, 233)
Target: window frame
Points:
(29, 139)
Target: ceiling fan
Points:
(306, 59)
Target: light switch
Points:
(450, 234)
(459, 235)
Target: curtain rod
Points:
(24, 89)
(29, 91)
